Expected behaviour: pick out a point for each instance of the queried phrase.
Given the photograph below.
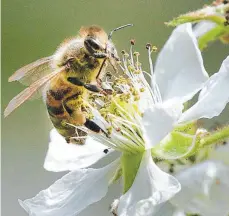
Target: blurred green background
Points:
(33, 29)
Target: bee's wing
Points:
(29, 91)
(33, 71)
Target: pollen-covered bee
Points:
(78, 65)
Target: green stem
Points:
(216, 137)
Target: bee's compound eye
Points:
(91, 44)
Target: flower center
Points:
(119, 113)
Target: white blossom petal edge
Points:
(179, 70)
(158, 121)
(151, 187)
(167, 209)
(205, 189)
(72, 193)
(213, 97)
(177, 77)
(62, 156)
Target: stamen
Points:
(131, 133)
(119, 114)
(132, 42)
(154, 85)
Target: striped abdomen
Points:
(64, 105)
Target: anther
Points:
(136, 53)
(118, 129)
(142, 89)
(148, 46)
(154, 49)
(126, 55)
(123, 52)
(132, 42)
(109, 75)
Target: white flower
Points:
(178, 83)
(179, 74)
(205, 188)
(82, 187)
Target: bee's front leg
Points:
(93, 88)
(97, 89)
(100, 55)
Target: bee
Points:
(65, 78)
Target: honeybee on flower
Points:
(143, 122)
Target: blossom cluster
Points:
(210, 23)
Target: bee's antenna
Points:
(116, 29)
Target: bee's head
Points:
(95, 38)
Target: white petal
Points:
(158, 121)
(179, 68)
(167, 209)
(62, 156)
(213, 97)
(72, 193)
(205, 189)
(151, 187)
(203, 27)
(145, 101)
(221, 153)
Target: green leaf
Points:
(175, 145)
(130, 164)
(195, 17)
(211, 35)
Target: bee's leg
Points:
(68, 139)
(100, 55)
(94, 127)
(97, 89)
(93, 88)
(75, 81)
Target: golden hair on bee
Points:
(94, 31)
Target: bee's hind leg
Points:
(94, 127)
